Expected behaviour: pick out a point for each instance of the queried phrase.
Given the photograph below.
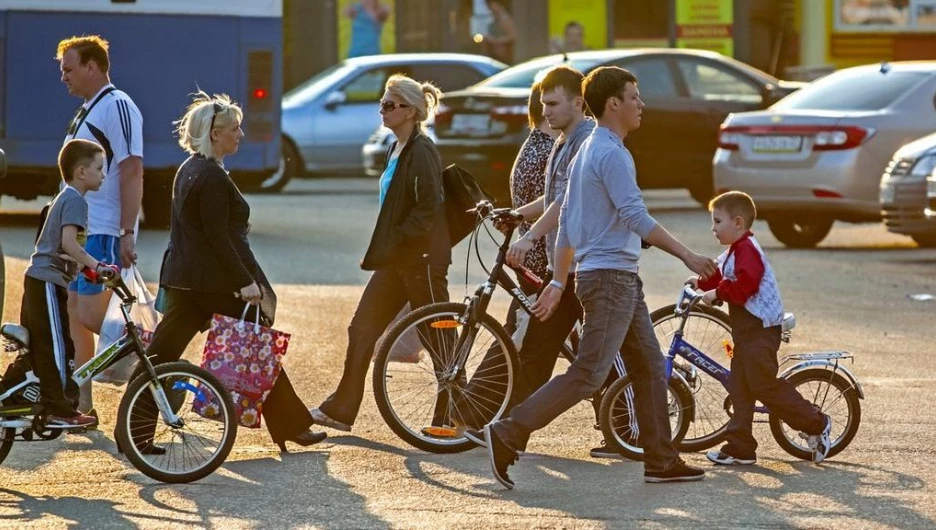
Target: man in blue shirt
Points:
(601, 223)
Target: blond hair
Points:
(195, 126)
(424, 97)
(736, 204)
(89, 48)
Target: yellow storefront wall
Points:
(592, 14)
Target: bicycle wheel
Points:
(707, 329)
(195, 445)
(618, 418)
(835, 396)
(6, 441)
(428, 399)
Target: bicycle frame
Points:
(122, 347)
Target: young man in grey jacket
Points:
(602, 221)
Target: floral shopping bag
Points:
(247, 358)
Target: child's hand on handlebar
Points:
(693, 281)
(101, 273)
(710, 297)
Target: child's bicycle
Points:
(184, 447)
(468, 376)
(818, 376)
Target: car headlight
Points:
(923, 167)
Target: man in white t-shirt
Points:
(110, 118)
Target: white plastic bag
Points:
(408, 347)
(144, 315)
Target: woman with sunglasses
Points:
(209, 267)
(409, 250)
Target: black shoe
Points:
(603, 451)
(148, 449)
(725, 459)
(678, 473)
(305, 439)
(501, 457)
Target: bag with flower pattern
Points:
(247, 358)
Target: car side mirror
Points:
(334, 99)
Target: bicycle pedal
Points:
(440, 432)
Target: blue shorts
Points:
(102, 248)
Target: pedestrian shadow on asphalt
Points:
(79, 512)
(779, 492)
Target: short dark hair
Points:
(574, 24)
(89, 48)
(535, 106)
(736, 204)
(563, 76)
(74, 154)
(603, 84)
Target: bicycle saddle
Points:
(15, 333)
(789, 321)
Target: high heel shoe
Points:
(305, 439)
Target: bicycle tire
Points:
(706, 328)
(616, 416)
(382, 376)
(797, 447)
(131, 406)
(6, 442)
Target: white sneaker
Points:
(820, 444)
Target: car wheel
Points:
(800, 234)
(925, 240)
(288, 168)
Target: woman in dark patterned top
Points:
(528, 178)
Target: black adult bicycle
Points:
(157, 428)
(466, 372)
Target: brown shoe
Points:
(78, 421)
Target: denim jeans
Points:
(614, 313)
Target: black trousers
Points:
(189, 312)
(754, 378)
(386, 293)
(44, 312)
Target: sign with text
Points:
(705, 24)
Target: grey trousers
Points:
(614, 313)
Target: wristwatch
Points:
(125, 232)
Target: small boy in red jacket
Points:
(747, 284)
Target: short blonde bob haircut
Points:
(424, 97)
(204, 114)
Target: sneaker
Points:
(477, 436)
(603, 451)
(725, 459)
(501, 457)
(78, 421)
(93, 413)
(821, 443)
(320, 418)
(681, 472)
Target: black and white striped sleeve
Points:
(124, 129)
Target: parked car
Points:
(930, 211)
(818, 155)
(375, 149)
(327, 119)
(903, 191)
(688, 93)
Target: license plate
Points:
(471, 123)
(777, 144)
(887, 194)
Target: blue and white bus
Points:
(161, 52)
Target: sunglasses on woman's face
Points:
(390, 106)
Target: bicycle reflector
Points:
(444, 324)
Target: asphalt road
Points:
(853, 293)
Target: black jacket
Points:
(411, 227)
(208, 248)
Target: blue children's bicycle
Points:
(818, 376)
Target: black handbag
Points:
(462, 193)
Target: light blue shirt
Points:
(603, 216)
(386, 177)
(365, 34)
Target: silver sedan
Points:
(817, 156)
(327, 119)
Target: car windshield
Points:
(853, 90)
(524, 75)
(315, 85)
